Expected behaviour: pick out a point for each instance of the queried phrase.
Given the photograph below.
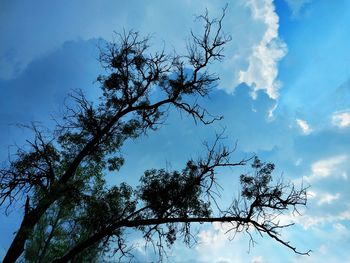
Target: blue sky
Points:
(284, 94)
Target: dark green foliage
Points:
(108, 206)
(258, 183)
(173, 194)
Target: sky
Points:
(284, 92)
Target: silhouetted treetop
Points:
(72, 215)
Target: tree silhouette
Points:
(70, 214)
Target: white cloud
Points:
(323, 249)
(327, 167)
(296, 6)
(332, 166)
(271, 111)
(258, 259)
(328, 198)
(262, 70)
(307, 220)
(212, 236)
(341, 119)
(251, 56)
(340, 229)
(213, 244)
(298, 161)
(224, 260)
(311, 194)
(310, 221)
(304, 126)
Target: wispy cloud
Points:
(258, 259)
(328, 198)
(296, 6)
(341, 229)
(341, 119)
(307, 220)
(304, 126)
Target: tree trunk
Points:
(29, 221)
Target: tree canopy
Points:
(72, 215)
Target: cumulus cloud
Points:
(327, 196)
(252, 55)
(211, 236)
(304, 126)
(332, 166)
(262, 71)
(323, 168)
(341, 119)
(213, 244)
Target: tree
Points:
(70, 214)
